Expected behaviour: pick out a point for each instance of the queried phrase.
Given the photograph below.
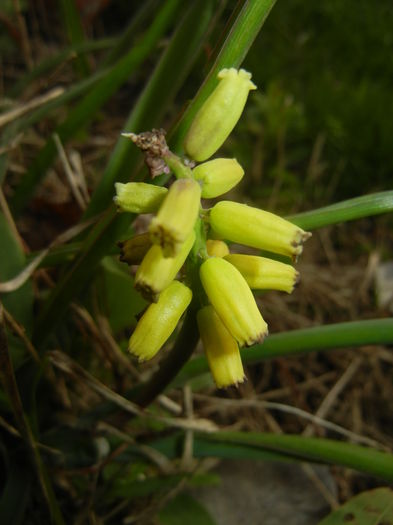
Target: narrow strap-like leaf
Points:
(305, 340)
(364, 206)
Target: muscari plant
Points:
(80, 261)
(185, 234)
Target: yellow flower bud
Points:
(262, 273)
(221, 349)
(159, 321)
(217, 248)
(257, 228)
(219, 114)
(156, 272)
(133, 250)
(233, 301)
(218, 176)
(176, 217)
(139, 197)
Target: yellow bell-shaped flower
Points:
(159, 321)
(262, 273)
(219, 114)
(221, 349)
(233, 301)
(216, 248)
(257, 228)
(176, 217)
(139, 197)
(156, 272)
(218, 176)
(132, 251)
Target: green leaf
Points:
(185, 509)
(137, 25)
(172, 446)
(368, 460)
(48, 64)
(305, 340)
(122, 302)
(374, 507)
(12, 260)
(206, 449)
(75, 32)
(349, 210)
(281, 447)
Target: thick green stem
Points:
(176, 165)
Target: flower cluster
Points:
(181, 230)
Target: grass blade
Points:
(150, 108)
(88, 107)
(117, 46)
(348, 210)
(75, 32)
(170, 446)
(12, 259)
(127, 38)
(370, 461)
(294, 342)
(48, 64)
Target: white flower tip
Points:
(237, 73)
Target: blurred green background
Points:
(324, 114)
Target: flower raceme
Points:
(218, 282)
